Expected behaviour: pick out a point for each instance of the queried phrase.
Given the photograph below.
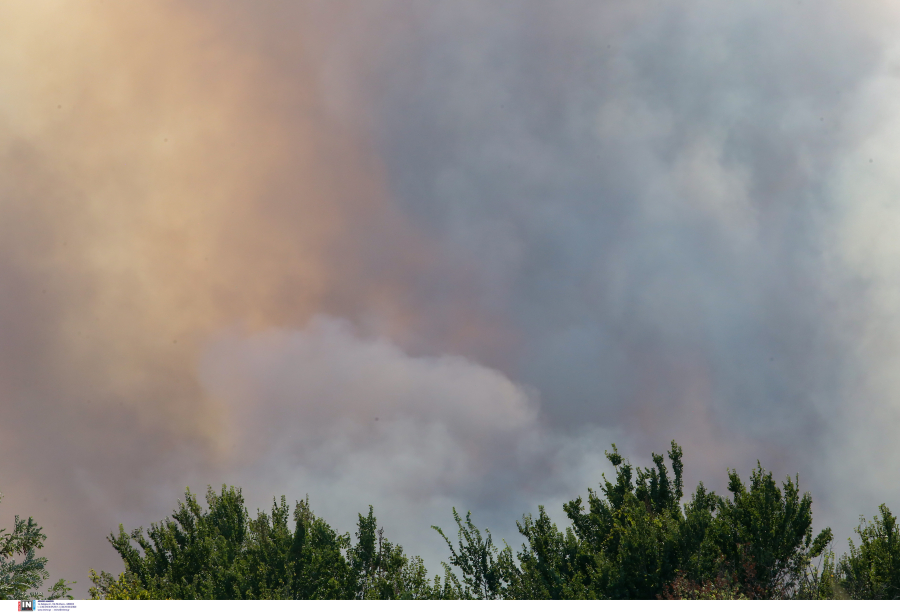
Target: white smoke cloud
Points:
(651, 219)
(355, 421)
(863, 452)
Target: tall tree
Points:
(765, 533)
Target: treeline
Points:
(632, 538)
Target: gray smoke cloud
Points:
(233, 234)
(346, 418)
(658, 198)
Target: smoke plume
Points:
(233, 235)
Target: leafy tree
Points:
(221, 553)
(634, 539)
(822, 581)
(765, 533)
(22, 579)
(194, 555)
(552, 564)
(381, 568)
(125, 587)
(477, 559)
(625, 545)
(633, 533)
(872, 570)
(303, 563)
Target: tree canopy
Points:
(221, 553)
(634, 537)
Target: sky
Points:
(425, 255)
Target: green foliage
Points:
(822, 581)
(552, 564)
(22, 579)
(477, 559)
(221, 553)
(382, 570)
(194, 555)
(632, 538)
(765, 533)
(125, 587)
(872, 570)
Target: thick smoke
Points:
(416, 435)
(658, 201)
(233, 234)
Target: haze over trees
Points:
(632, 538)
